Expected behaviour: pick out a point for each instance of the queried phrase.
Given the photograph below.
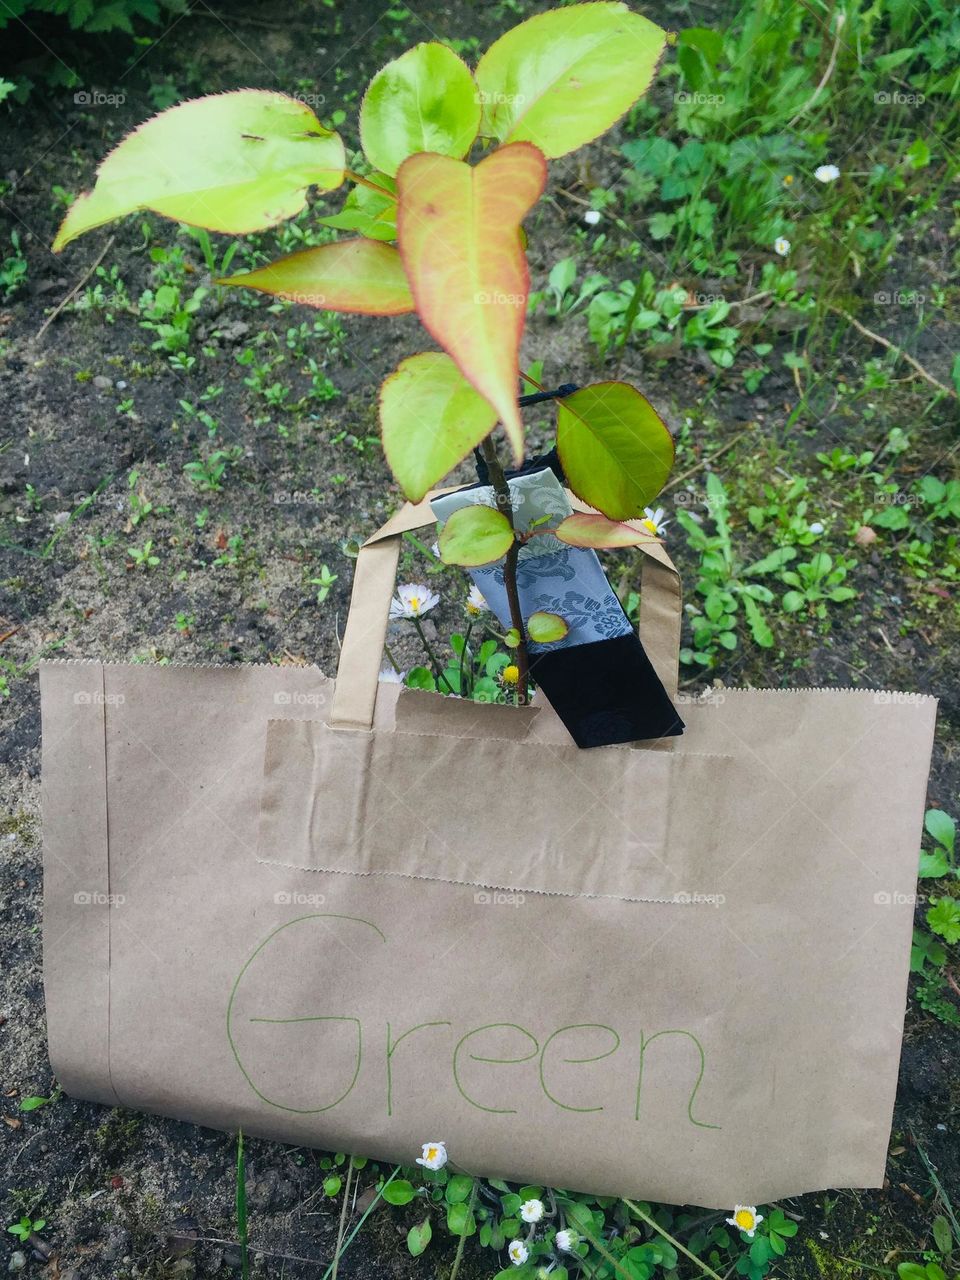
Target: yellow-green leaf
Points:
(425, 100)
(615, 450)
(546, 628)
(565, 76)
(475, 536)
(350, 275)
(458, 232)
(233, 162)
(588, 530)
(431, 418)
(369, 212)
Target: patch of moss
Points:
(15, 824)
(831, 1268)
(117, 1136)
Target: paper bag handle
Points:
(374, 581)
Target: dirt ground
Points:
(123, 1194)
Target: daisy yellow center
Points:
(511, 674)
(788, 180)
(433, 1152)
(414, 603)
(649, 524)
(745, 1219)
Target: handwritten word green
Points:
(457, 1054)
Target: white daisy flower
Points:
(518, 1252)
(745, 1218)
(389, 676)
(782, 246)
(592, 217)
(475, 601)
(433, 1155)
(566, 1241)
(816, 527)
(654, 521)
(532, 1210)
(413, 600)
(435, 548)
(826, 173)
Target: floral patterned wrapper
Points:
(597, 677)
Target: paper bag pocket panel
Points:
(479, 811)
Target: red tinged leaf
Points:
(458, 229)
(362, 276)
(588, 530)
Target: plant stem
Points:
(463, 1237)
(463, 658)
(365, 182)
(434, 661)
(366, 1214)
(645, 1217)
(343, 1219)
(241, 1207)
(501, 489)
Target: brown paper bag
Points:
(362, 918)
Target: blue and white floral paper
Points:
(551, 576)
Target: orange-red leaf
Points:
(349, 275)
(588, 530)
(457, 228)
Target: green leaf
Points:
(332, 1185)
(419, 1237)
(759, 628)
(944, 918)
(460, 1220)
(942, 827)
(350, 275)
(942, 1234)
(31, 1104)
(911, 1271)
(232, 162)
(370, 213)
(458, 1188)
(475, 535)
(421, 678)
(775, 560)
(398, 1192)
(614, 448)
(932, 865)
(430, 418)
(425, 100)
(792, 601)
(564, 77)
(546, 628)
(918, 154)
